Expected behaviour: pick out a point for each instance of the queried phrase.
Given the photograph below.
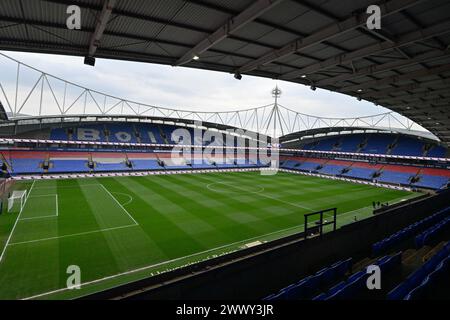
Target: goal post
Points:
(17, 200)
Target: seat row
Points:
(352, 287)
(307, 287)
(408, 232)
(430, 235)
(418, 282)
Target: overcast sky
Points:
(185, 88)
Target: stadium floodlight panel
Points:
(90, 61)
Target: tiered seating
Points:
(376, 143)
(148, 133)
(360, 173)
(437, 152)
(102, 166)
(398, 174)
(68, 165)
(395, 177)
(27, 166)
(352, 287)
(432, 182)
(121, 132)
(331, 169)
(350, 143)
(133, 133)
(309, 286)
(408, 232)
(307, 166)
(421, 282)
(145, 164)
(407, 146)
(429, 236)
(325, 144)
(289, 164)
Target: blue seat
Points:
(320, 297)
(300, 290)
(327, 276)
(335, 290)
(416, 294)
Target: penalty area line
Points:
(71, 235)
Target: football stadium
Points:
(104, 197)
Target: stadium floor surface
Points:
(126, 228)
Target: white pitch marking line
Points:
(57, 205)
(69, 187)
(161, 263)
(43, 195)
(15, 223)
(41, 217)
(135, 222)
(71, 235)
(125, 194)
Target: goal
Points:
(17, 200)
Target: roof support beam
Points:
(331, 31)
(435, 110)
(419, 95)
(409, 87)
(424, 107)
(232, 25)
(420, 102)
(371, 70)
(398, 78)
(406, 39)
(102, 21)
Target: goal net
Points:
(17, 200)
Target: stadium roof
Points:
(323, 132)
(404, 66)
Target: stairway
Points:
(392, 146)
(137, 134)
(46, 164)
(91, 164)
(106, 133)
(363, 144)
(163, 135)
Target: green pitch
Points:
(122, 229)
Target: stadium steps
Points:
(363, 144)
(46, 164)
(6, 163)
(391, 147)
(163, 135)
(136, 133)
(91, 163)
(106, 132)
(414, 269)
